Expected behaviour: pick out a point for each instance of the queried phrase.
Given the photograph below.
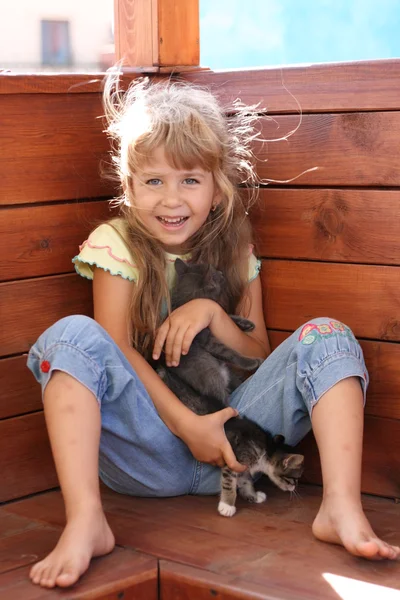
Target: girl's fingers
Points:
(173, 348)
(189, 336)
(230, 459)
(160, 340)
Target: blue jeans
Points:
(138, 453)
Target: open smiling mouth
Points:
(175, 222)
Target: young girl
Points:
(179, 161)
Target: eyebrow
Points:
(184, 173)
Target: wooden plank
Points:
(382, 360)
(329, 224)
(20, 392)
(277, 536)
(365, 297)
(41, 240)
(56, 83)
(381, 458)
(52, 148)
(280, 551)
(48, 299)
(135, 27)
(121, 574)
(26, 464)
(349, 149)
(23, 548)
(157, 33)
(178, 32)
(185, 582)
(351, 86)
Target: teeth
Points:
(174, 221)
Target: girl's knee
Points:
(336, 334)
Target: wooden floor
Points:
(180, 548)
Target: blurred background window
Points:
(77, 35)
(55, 43)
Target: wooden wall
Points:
(329, 240)
(51, 197)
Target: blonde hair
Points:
(195, 132)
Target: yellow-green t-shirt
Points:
(105, 248)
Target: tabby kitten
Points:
(202, 384)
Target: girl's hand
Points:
(181, 327)
(205, 436)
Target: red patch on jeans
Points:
(45, 366)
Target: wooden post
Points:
(157, 35)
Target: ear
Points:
(217, 198)
(293, 461)
(180, 266)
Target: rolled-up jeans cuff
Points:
(71, 360)
(325, 376)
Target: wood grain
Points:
(364, 297)
(41, 240)
(277, 552)
(348, 149)
(178, 32)
(351, 86)
(122, 574)
(26, 464)
(52, 148)
(184, 582)
(360, 226)
(48, 299)
(20, 393)
(135, 28)
(381, 458)
(157, 33)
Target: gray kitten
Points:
(203, 385)
(209, 366)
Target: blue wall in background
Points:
(251, 33)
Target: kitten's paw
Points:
(260, 497)
(226, 510)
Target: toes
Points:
(67, 578)
(45, 579)
(260, 497)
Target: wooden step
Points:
(266, 551)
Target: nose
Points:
(171, 197)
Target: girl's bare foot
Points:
(341, 520)
(86, 535)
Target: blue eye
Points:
(154, 181)
(191, 180)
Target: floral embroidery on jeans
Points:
(312, 332)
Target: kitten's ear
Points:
(180, 266)
(279, 440)
(293, 461)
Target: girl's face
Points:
(171, 203)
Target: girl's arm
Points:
(204, 435)
(177, 332)
(254, 343)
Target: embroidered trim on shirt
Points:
(92, 264)
(109, 252)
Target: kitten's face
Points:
(287, 469)
(197, 281)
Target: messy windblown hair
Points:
(195, 131)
